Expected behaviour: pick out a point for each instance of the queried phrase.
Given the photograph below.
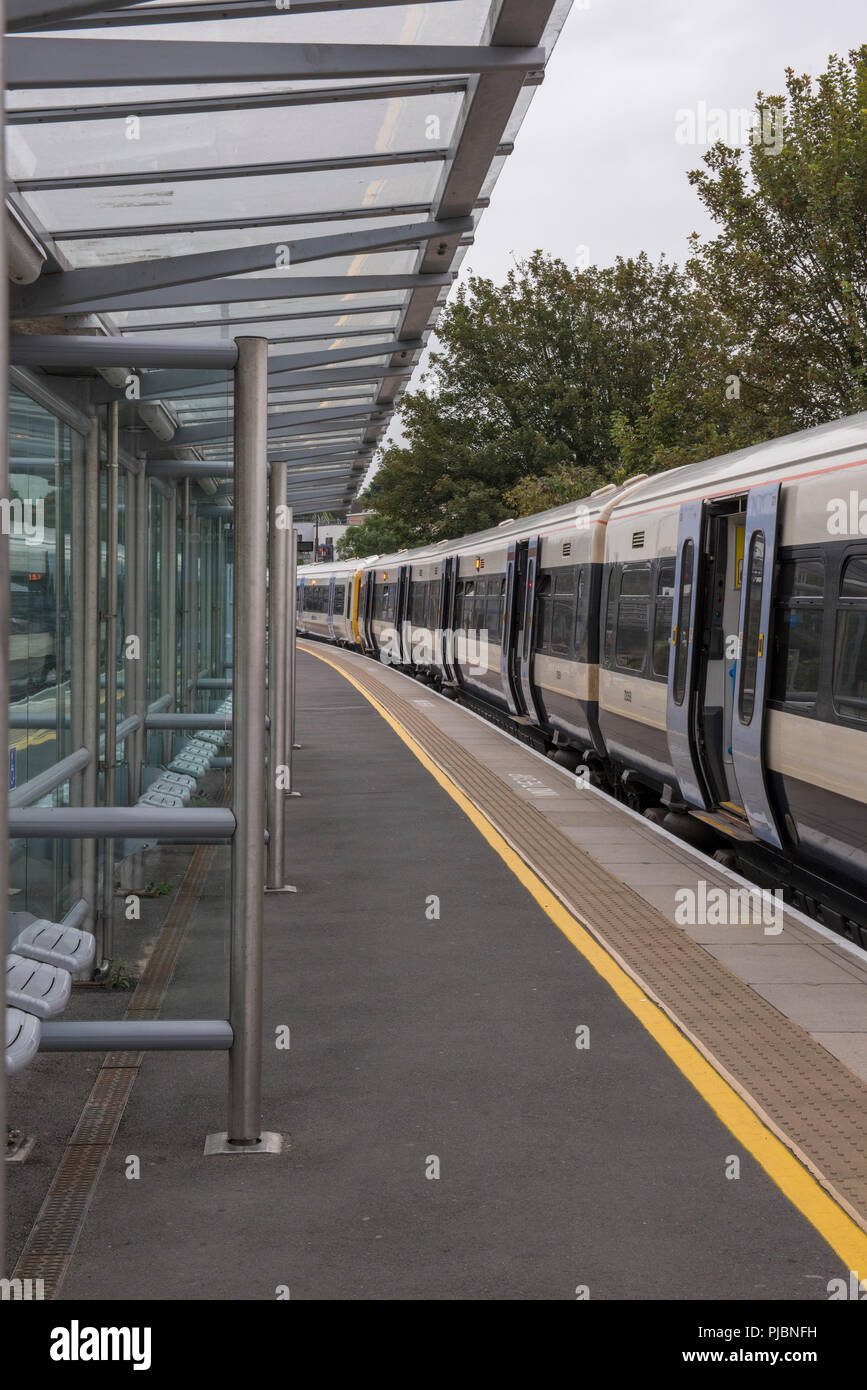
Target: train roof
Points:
(724, 472)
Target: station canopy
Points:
(309, 171)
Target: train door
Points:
(331, 607)
(365, 610)
(683, 745)
(751, 677)
(525, 638)
(444, 656)
(401, 616)
(510, 657)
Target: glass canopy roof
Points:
(309, 171)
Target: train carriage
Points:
(698, 638)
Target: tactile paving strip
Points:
(815, 1103)
(52, 1241)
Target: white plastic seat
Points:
(66, 947)
(35, 987)
(23, 1034)
(162, 799)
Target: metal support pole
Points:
(77, 552)
(248, 750)
(4, 630)
(90, 739)
(130, 537)
(140, 609)
(106, 945)
(186, 590)
(279, 555)
(168, 607)
(291, 615)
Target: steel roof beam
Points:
(70, 350)
(108, 17)
(65, 63)
(30, 14)
(222, 429)
(175, 381)
(276, 317)
(75, 291)
(253, 291)
(282, 381)
(238, 223)
(240, 101)
(204, 172)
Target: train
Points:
(694, 641)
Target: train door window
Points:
(457, 614)
(611, 614)
(339, 600)
(633, 616)
(684, 608)
(662, 617)
(850, 660)
(492, 616)
(501, 606)
(798, 627)
(752, 635)
(468, 605)
(580, 634)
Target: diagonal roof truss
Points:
(310, 172)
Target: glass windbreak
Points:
(37, 520)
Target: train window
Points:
(801, 579)
(564, 582)
(850, 658)
(797, 654)
(631, 644)
(662, 617)
(798, 627)
(635, 581)
(339, 600)
(561, 626)
(684, 613)
(752, 635)
(854, 582)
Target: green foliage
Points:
(789, 267)
(375, 536)
(563, 483)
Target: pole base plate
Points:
(269, 1143)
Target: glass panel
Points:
(684, 611)
(854, 583)
(797, 654)
(850, 663)
(662, 617)
(632, 625)
(801, 579)
(750, 650)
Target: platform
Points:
(466, 915)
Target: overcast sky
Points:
(597, 163)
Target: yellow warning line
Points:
(781, 1166)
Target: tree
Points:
(788, 269)
(527, 383)
(375, 536)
